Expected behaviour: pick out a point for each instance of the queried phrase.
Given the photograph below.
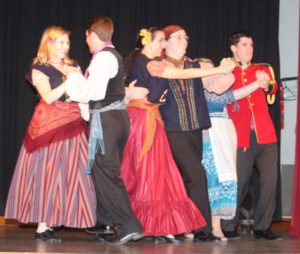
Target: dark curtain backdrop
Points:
(208, 23)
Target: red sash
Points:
(53, 122)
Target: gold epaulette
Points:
(270, 97)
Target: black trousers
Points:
(263, 158)
(113, 205)
(186, 148)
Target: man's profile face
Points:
(177, 43)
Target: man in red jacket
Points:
(257, 141)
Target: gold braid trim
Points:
(270, 99)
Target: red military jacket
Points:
(254, 104)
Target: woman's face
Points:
(60, 47)
(158, 43)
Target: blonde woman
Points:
(49, 186)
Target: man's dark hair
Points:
(235, 37)
(102, 26)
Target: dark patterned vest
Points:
(185, 110)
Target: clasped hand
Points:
(262, 79)
(71, 69)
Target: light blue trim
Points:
(96, 132)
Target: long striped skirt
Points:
(49, 185)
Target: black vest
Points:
(115, 88)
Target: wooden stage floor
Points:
(14, 239)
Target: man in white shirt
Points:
(103, 88)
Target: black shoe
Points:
(125, 239)
(102, 229)
(266, 234)
(232, 235)
(47, 236)
(201, 236)
(180, 237)
(166, 239)
(101, 237)
(146, 239)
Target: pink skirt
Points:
(49, 185)
(154, 184)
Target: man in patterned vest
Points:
(185, 114)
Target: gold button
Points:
(245, 80)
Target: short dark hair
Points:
(102, 26)
(236, 36)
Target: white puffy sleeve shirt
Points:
(103, 67)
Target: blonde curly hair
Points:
(49, 36)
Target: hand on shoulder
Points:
(227, 65)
